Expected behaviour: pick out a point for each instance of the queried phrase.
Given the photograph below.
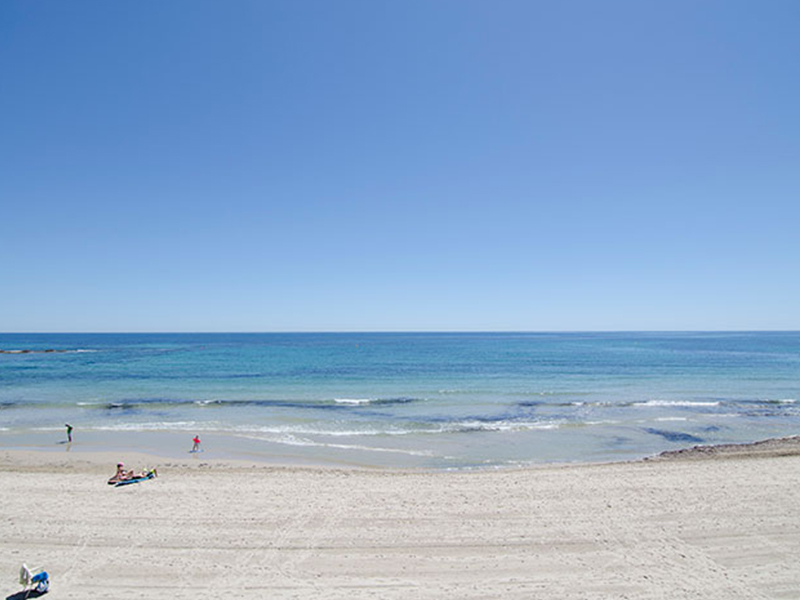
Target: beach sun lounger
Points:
(37, 579)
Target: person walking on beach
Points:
(196, 440)
(69, 432)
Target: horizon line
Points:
(387, 331)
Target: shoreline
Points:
(42, 456)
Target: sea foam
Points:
(677, 403)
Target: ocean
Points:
(432, 400)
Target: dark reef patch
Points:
(674, 436)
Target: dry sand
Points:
(719, 524)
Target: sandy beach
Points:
(718, 523)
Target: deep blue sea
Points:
(449, 400)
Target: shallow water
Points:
(396, 399)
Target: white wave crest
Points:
(511, 425)
(292, 440)
(161, 426)
(353, 401)
(675, 403)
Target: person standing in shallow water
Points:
(196, 446)
(69, 432)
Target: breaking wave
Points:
(676, 403)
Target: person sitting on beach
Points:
(120, 475)
(123, 475)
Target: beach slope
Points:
(712, 525)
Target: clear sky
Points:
(399, 165)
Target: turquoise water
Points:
(432, 400)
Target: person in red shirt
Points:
(196, 440)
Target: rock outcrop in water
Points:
(786, 446)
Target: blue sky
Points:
(415, 165)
